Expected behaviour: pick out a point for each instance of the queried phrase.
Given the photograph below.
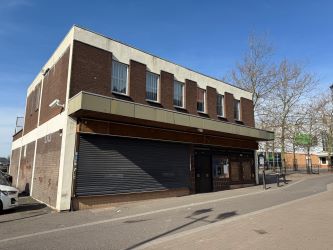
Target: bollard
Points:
(264, 179)
(278, 179)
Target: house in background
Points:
(106, 122)
(4, 164)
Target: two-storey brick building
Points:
(106, 122)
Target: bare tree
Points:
(292, 85)
(324, 110)
(256, 71)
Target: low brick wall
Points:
(110, 200)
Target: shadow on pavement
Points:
(221, 216)
(226, 215)
(27, 208)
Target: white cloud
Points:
(7, 127)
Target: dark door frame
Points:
(207, 153)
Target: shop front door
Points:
(203, 172)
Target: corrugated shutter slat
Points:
(111, 165)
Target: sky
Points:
(206, 36)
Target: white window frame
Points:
(222, 105)
(183, 94)
(238, 110)
(127, 79)
(25, 151)
(204, 102)
(158, 87)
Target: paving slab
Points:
(302, 224)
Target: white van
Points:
(8, 194)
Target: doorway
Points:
(203, 172)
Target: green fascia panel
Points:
(180, 119)
(96, 103)
(122, 108)
(146, 113)
(75, 104)
(88, 101)
(196, 122)
(164, 116)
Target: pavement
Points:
(148, 224)
(305, 223)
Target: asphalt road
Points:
(132, 225)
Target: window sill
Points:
(223, 118)
(202, 112)
(153, 101)
(179, 107)
(118, 93)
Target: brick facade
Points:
(211, 102)
(167, 80)
(91, 70)
(26, 165)
(137, 80)
(47, 168)
(31, 110)
(54, 87)
(229, 106)
(18, 135)
(191, 97)
(300, 159)
(14, 164)
(247, 113)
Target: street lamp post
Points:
(329, 141)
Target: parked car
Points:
(8, 194)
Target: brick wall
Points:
(54, 87)
(47, 168)
(229, 106)
(25, 173)
(91, 70)
(301, 159)
(191, 96)
(211, 102)
(247, 114)
(110, 200)
(167, 80)
(137, 79)
(18, 135)
(14, 164)
(31, 110)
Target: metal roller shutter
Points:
(113, 165)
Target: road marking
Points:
(137, 215)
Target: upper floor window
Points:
(201, 93)
(178, 94)
(152, 86)
(220, 105)
(237, 110)
(119, 77)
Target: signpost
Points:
(262, 166)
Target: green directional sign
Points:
(303, 139)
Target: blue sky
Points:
(207, 36)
